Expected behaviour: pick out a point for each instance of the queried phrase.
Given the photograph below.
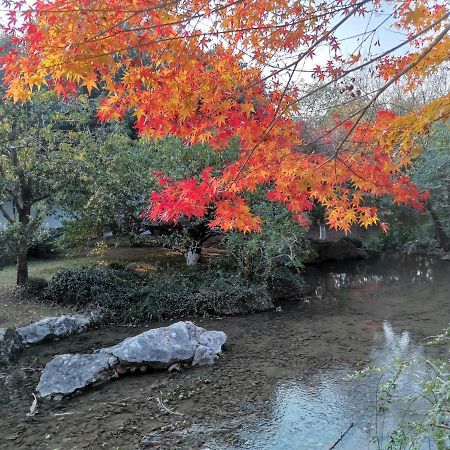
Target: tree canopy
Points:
(210, 71)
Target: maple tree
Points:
(211, 70)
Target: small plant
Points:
(430, 405)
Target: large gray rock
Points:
(10, 343)
(161, 347)
(213, 340)
(158, 348)
(66, 374)
(52, 327)
(182, 342)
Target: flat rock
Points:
(52, 327)
(213, 340)
(160, 348)
(66, 374)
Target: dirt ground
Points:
(16, 310)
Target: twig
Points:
(33, 407)
(165, 408)
(342, 436)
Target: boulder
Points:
(10, 343)
(204, 356)
(52, 327)
(66, 374)
(342, 250)
(160, 348)
(214, 340)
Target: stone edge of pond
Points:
(12, 340)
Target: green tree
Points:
(432, 172)
(40, 147)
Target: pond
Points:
(282, 382)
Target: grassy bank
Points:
(142, 258)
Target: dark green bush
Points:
(201, 294)
(93, 286)
(131, 297)
(285, 284)
(35, 287)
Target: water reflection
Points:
(407, 268)
(313, 414)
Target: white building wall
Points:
(54, 220)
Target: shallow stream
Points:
(282, 382)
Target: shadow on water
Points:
(282, 384)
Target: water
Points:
(331, 404)
(281, 384)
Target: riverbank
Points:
(280, 380)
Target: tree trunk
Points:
(22, 246)
(22, 266)
(322, 233)
(192, 256)
(441, 235)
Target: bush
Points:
(93, 286)
(7, 246)
(285, 284)
(132, 297)
(199, 293)
(35, 287)
(44, 244)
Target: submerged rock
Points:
(66, 374)
(160, 348)
(10, 343)
(52, 327)
(342, 250)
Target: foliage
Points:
(411, 229)
(432, 428)
(197, 70)
(35, 286)
(40, 161)
(7, 253)
(172, 157)
(41, 241)
(116, 171)
(93, 286)
(131, 297)
(432, 172)
(280, 245)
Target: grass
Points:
(16, 310)
(42, 268)
(143, 259)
